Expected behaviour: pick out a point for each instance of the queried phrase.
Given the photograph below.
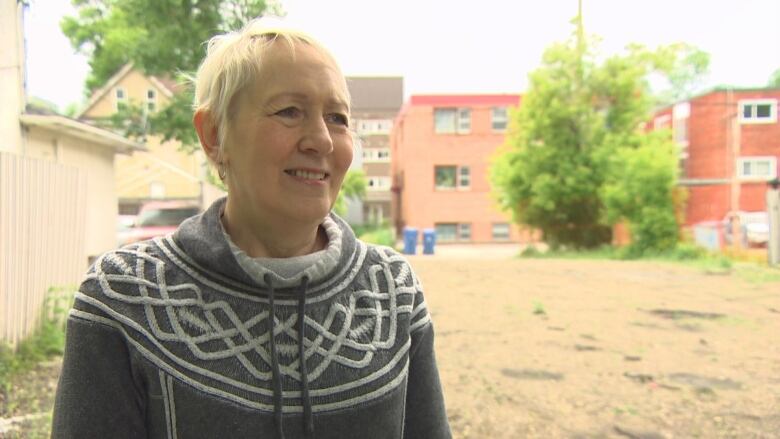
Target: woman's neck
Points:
(264, 238)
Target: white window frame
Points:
(157, 190)
(374, 155)
(460, 178)
(378, 183)
(461, 236)
(755, 103)
(459, 185)
(771, 160)
(495, 117)
(117, 99)
(440, 237)
(460, 228)
(462, 122)
(373, 126)
(508, 232)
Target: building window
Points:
(446, 232)
(446, 177)
(374, 126)
(157, 190)
(378, 183)
(452, 120)
(120, 98)
(151, 100)
(451, 232)
(376, 155)
(757, 168)
(452, 177)
(500, 231)
(758, 111)
(499, 118)
(680, 114)
(464, 177)
(464, 232)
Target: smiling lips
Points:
(307, 174)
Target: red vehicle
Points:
(158, 218)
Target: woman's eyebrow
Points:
(333, 101)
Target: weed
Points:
(48, 341)
(539, 309)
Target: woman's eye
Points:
(289, 112)
(337, 118)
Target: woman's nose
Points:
(316, 137)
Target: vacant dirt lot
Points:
(581, 349)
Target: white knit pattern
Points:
(350, 335)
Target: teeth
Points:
(308, 175)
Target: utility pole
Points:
(734, 146)
(773, 208)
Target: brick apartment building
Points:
(730, 148)
(375, 103)
(441, 147)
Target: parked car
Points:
(754, 225)
(157, 218)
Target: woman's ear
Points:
(206, 128)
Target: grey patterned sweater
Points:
(174, 338)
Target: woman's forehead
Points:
(297, 72)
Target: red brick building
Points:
(729, 148)
(441, 147)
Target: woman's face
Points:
(288, 144)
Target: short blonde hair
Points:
(232, 61)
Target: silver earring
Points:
(222, 170)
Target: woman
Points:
(202, 334)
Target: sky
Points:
(452, 46)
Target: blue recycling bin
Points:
(429, 241)
(410, 240)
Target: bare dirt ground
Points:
(531, 348)
(603, 349)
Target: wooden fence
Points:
(42, 214)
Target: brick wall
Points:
(417, 150)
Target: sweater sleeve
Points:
(426, 417)
(97, 395)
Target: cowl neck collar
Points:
(203, 239)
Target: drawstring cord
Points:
(277, 376)
(308, 419)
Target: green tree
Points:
(161, 37)
(774, 80)
(576, 160)
(354, 187)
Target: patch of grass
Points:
(46, 342)
(606, 252)
(757, 273)
(539, 309)
(750, 270)
(380, 235)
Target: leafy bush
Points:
(379, 236)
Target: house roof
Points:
(376, 92)
(166, 86)
(81, 130)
